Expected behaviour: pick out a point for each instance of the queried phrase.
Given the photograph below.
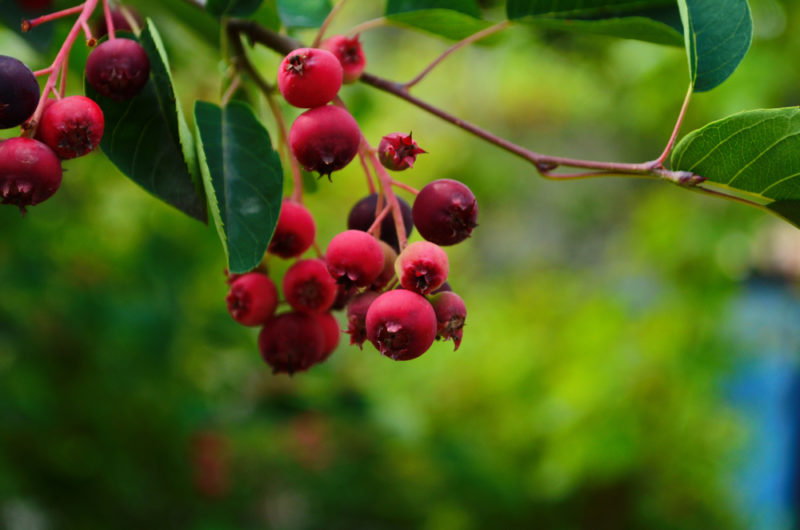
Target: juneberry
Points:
(350, 55)
(451, 312)
(331, 333)
(324, 139)
(118, 69)
(308, 287)
(363, 213)
(401, 324)
(291, 342)
(295, 231)
(19, 92)
(357, 316)
(252, 299)
(445, 212)
(309, 77)
(30, 172)
(422, 267)
(354, 258)
(72, 126)
(398, 151)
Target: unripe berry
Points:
(324, 139)
(118, 69)
(309, 77)
(19, 92)
(451, 312)
(445, 212)
(30, 172)
(362, 215)
(330, 332)
(291, 342)
(398, 151)
(401, 324)
(294, 232)
(72, 126)
(252, 299)
(354, 258)
(422, 267)
(308, 287)
(387, 274)
(350, 55)
(357, 316)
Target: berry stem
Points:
(370, 182)
(28, 25)
(404, 186)
(378, 220)
(324, 27)
(109, 20)
(90, 40)
(386, 187)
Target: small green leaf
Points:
(637, 28)
(303, 13)
(243, 179)
(443, 22)
(580, 8)
(467, 7)
(233, 8)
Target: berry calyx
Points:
(324, 139)
(118, 69)
(308, 287)
(445, 212)
(291, 342)
(252, 299)
(19, 92)
(294, 232)
(357, 316)
(422, 267)
(350, 55)
(398, 151)
(354, 258)
(401, 324)
(309, 77)
(30, 172)
(451, 312)
(72, 126)
(362, 215)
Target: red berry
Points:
(294, 232)
(387, 274)
(445, 212)
(422, 267)
(324, 139)
(72, 126)
(401, 324)
(291, 342)
(308, 287)
(19, 92)
(330, 331)
(252, 299)
(309, 77)
(354, 258)
(451, 312)
(30, 172)
(118, 69)
(357, 316)
(363, 213)
(398, 151)
(350, 55)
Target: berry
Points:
(354, 258)
(422, 267)
(252, 299)
(387, 274)
(30, 172)
(19, 92)
(350, 55)
(294, 232)
(357, 316)
(401, 324)
(445, 212)
(291, 342)
(309, 77)
(72, 126)
(119, 20)
(118, 69)
(451, 312)
(362, 215)
(330, 332)
(308, 287)
(324, 139)
(398, 151)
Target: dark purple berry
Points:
(362, 215)
(118, 69)
(19, 92)
(445, 212)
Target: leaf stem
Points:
(659, 162)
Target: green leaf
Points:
(755, 152)
(580, 8)
(147, 137)
(243, 179)
(717, 36)
(11, 16)
(233, 8)
(267, 15)
(443, 22)
(467, 7)
(638, 28)
(303, 13)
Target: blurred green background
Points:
(589, 391)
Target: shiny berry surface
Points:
(445, 212)
(309, 77)
(118, 69)
(325, 139)
(19, 92)
(30, 172)
(72, 126)
(401, 324)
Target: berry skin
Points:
(398, 151)
(308, 287)
(362, 215)
(118, 69)
(291, 342)
(350, 55)
(445, 212)
(387, 274)
(309, 77)
(324, 139)
(422, 267)
(19, 92)
(30, 172)
(354, 258)
(294, 232)
(330, 332)
(401, 324)
(357, 316)
(252, 299)
(451, 312)
(72, 126)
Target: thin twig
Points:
(404, 186)
(659, 162)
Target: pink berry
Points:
(252, 299)
(354, 258)
(398, 151)
(309, 77)
(357, 316)
(72, 126)
(401, 324)
(308, 287)
(451, 312)
(294, 232)
(118, 69)
(350, 55)
(325, 139)
(422, 267)
(30, 172)
(291, 342)
(330, 332)
(445, 212)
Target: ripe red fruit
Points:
(291, 342)
(362, 215)
(398, 151)
(324, 139)
(118, 69)
(357, 316)
(422, 267)
(309, 77)
(72, 126)
(401, 324)
(330, 331)
(30, 172)
(308, 287)
(451, 312)
(354, 258)
(350, 55)
(445, 212)
(19, 92)
(294, 232)
(252, 299)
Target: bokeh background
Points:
(629, 359)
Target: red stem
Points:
(109, 20)
(28, 25)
